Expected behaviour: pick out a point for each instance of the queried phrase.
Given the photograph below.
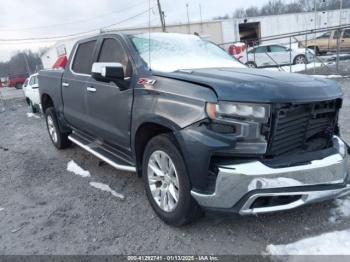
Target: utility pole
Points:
(188, 20)
(315, 51)
(339, 33)
(200, 15)
(161, 16)
(27, 64)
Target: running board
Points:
(101, 153)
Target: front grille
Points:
(302, 127)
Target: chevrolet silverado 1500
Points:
(201, 129)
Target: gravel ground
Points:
(48, 210)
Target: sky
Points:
(27, 19)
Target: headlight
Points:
(232, 110)
(248, 120)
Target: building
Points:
(231, 30)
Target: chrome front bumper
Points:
(254, 179)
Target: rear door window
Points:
(261, 49)
(83, 58)
(277, 48)
(324, 36)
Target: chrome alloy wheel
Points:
(163, 181)
(300, 60)
(52, 129)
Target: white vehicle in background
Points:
(275, 55)
(31, 93)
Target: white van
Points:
(31, 92)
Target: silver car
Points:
(275, 55)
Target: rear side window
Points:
(32, 81)
(277, 48)
(113, 52)
(346, 33)
(325, 35)
(83, 58)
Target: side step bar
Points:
(103, 155)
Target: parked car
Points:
(327, 42)
(275, 55)
(201, 129)
(16, 81)
(31, 93)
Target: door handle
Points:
(65, 84)
(91, 89)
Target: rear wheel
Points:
(300, 59)
(18, 86)
(316, 49)
(251, 65)
(166, 182)
(58, 138)
(32, 108)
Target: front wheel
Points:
(167, 183)
(58, 138)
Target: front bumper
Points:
(243, 184)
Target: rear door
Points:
(74, 84)
(109, 104)
(279, 54)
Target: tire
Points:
(59, 139)
(300, 59)
(251, 65)
(317, 53)
(186, 209)
(32, 108)
(18, 86)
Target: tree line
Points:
(22, 63)
(278, 7)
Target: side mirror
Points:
(107, 71)
(35, 86)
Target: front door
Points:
(74, 85)
(109, 104)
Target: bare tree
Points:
(276, 7)
(252, 11)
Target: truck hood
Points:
(257, 85)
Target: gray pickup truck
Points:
(203, 131)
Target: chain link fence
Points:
(324, 51)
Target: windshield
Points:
(170, 52)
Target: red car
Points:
(17, 81)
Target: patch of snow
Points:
(32, 115)
(1, 209)
(329, 76)
(74, 168)
(106, 188)
(261, 183)
(294, 68)
(334, 243)
(341, 210)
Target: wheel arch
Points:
(145, 132)
(46, 102)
